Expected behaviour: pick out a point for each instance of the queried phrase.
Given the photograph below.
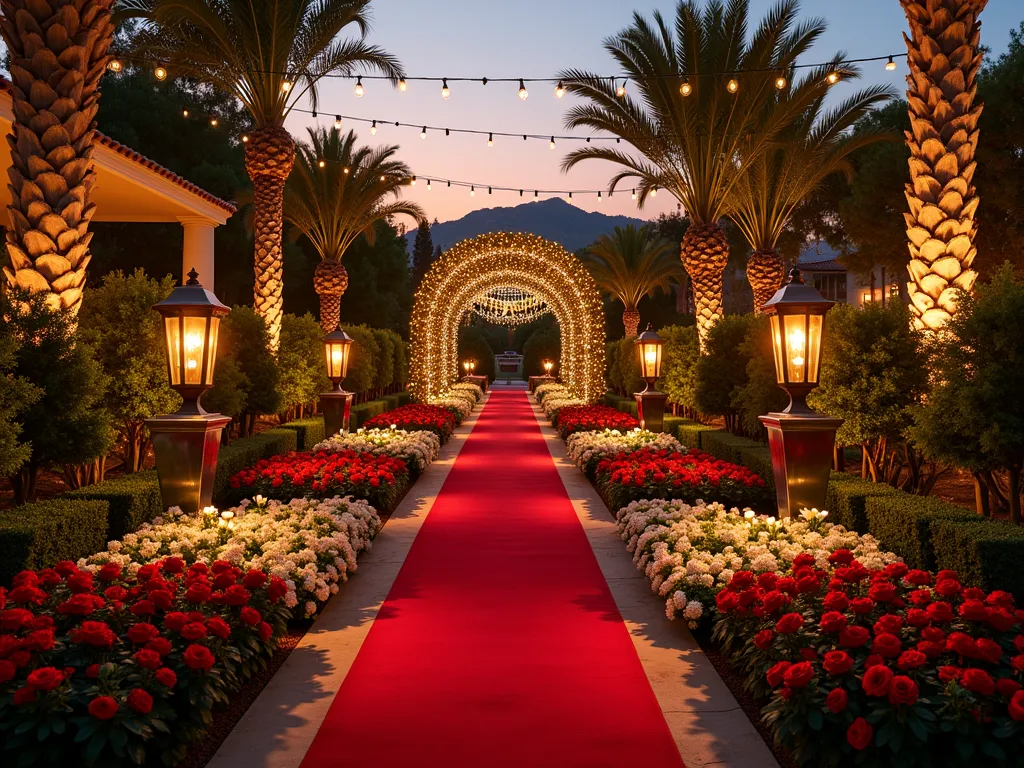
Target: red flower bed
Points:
(879, 668)
(433, 418)
(111, 669)
(585, 418)
(647, 474)
(381, 480)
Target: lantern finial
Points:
(795, 276)
(193, 277)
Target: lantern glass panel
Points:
(195, 348)
(337, 360)
(795, 329)
(650, 360)
(780, 371)
(211, 342)
(172, 328)
(814, 347)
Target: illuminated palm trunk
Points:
(944, 58)
(705, 253)
(631, 321)
(330, 279)
(58, 52)
(269, 157)
(765, 273)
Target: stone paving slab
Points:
(707, 723)
(278, 728)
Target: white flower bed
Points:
(312, 545)
(544, 390)
(553, 403)
(689, 553)
(467, 386)
(585, 449)
(460, 406)
(416, 448)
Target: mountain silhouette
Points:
(553, 219)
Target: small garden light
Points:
(548, 365)
(650, 404)
(337, 404)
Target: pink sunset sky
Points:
(537, 39)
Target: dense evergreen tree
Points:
(423, 253)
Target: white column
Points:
(197, 248)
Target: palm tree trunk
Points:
(765, 273)
(705, 253)
(269, 156)
(58, 52)
(944, 58)
(330, 280)
(631, 321)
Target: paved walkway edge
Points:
(709, 727)
(278, 728)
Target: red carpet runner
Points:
(499, 643)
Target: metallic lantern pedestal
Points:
(801, 446)
(186, 448)
(336, 407)
(650, 409)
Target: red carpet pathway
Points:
(499, 643)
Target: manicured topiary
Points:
(133, 500)
(725, 446)
(902, 524)
(846, 496)
(986, 553)
(308, 432)
(39, 535)
(689, 433)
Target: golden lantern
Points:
(801, 440)
(548, 365)
(186, 443)
(336, 405)
(650, 404)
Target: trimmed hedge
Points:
(627, 405)
(758, 459)
(725, 446)
(612, 400)
(363, 412)
(308, 432)
(246, 452)
(132, 499)
(391, 402)
(690, 432)
(404, 397)
(672, 424)
(846, 497)
(902, 524)
(985, 553)
(39, 535)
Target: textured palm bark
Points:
(330, 280)
(765, 273)
(58, 52)
(944, 59)
(631, 321)
(269, 157)
(705, 253)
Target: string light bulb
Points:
(423, 133)
(621, 90)
(490, 139)
(214, 122)
(428, 185)
(160, 73)
(780, 82)
(115, 65)
(322, 163)
(523, 93)
(445, 90)
(551, 144)
(654, 192)
(472, 191)
(634, 194)
(559, 90)
(245, 138)
(373, 128)
(833, 77)
(358, 90)
(733, 85)
(346, 169)
(685, 88)
(337, 123)
(184, 113)
(568, 199)
(599, 197)
(286, 85)
(402, 85)
(412, 182)
(890, 65)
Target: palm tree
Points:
(270, 56)
(944, 58)
(691, 117)
(334, 204)
(629, 264)
(56, 95)
(816, 145)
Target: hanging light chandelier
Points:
(508, 305)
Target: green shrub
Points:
(846, 496)
(246, 452)
(985, 553)
(612, 400)
(725, 446)
(902, 524)
(300, 363)
(722, 370)
(401, 361)
(628, 367)
(544, 343)
(758, 459)
(245, 337)
(132, 499)
(627, 405)
(363, 412)
(39, 535)
(404, 398)
(308, 432)
(679, 364)
(690, 432)
(385, 358)
(760, 394)
(391, 401)
(473, 345)
(362, 369)
(672, 424)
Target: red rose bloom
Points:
(836, 700)
(841, 557)
(40, 640)
(799, 675)
(92, 671)
(194, 630)
(947, 587)
(1007, 687)
(95, 633)
(24, 695)
(918, 578)
(109, 572)
(45, 678)
(859, 734)
(862, 605)
(198, 593)
(144, 608)
(1016, 706)
(882, 592)
(854, 637)
(103, 707)
(940, 611)
(265, 631)
(175, 621)
(140, 701)
(763, 639)
(989, 650)
(159, 645)
(789, 623)
(911, 660)
(277, 589)
(886, 645)
(198, 657)
(173, 565)
(80, 582)
(236, 595)
(250, 616)
(219, 628)
(166, 676)
(877, 681)
(142, 633)
(7, 671)
(837, 662)
(974, 610)
(254, 579)
(949, 673)
(777, 673)
(836, 601)
(773, 601)
(978, 680)
(147, 659)
(903, 691)
(833, 621)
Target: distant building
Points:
(835, 282)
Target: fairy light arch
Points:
(506, 260)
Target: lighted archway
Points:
(529, 263)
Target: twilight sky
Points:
(537, 38)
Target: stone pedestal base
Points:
(801, 447)
(535, 381)
(480, 381)
(336, 408)
(186, 449)
(650, 409)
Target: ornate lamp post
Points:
(650, 404)
(548, 365)
(801, 440)
(337, 404)
(186, 443)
